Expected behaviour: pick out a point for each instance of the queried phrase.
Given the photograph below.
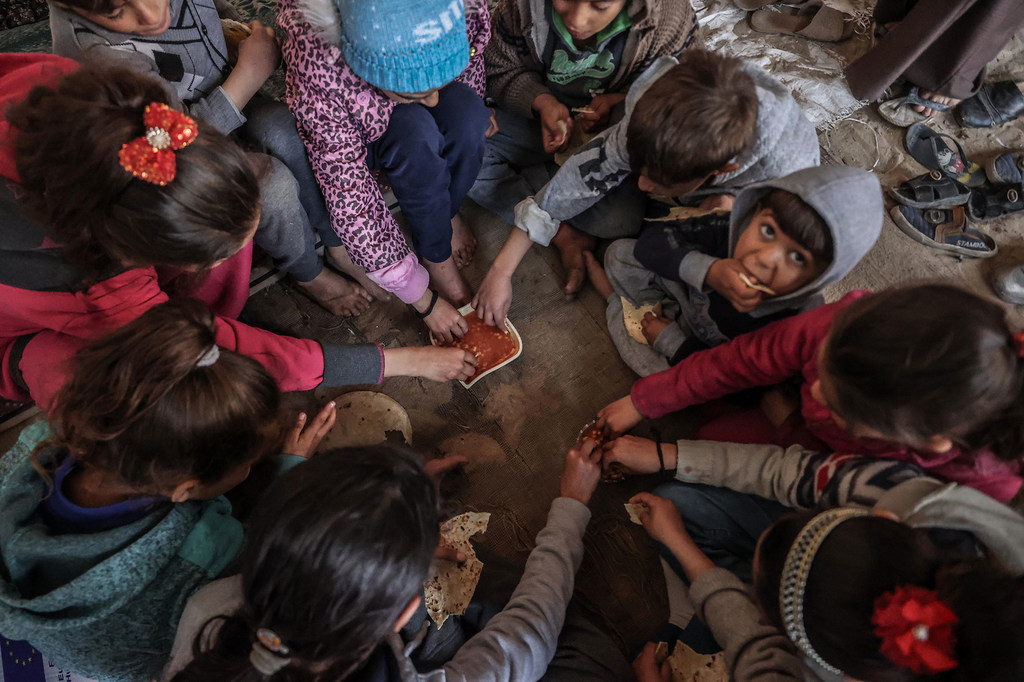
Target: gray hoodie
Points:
(784, 141)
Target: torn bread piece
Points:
(689, 666)
(632, 317)
(234, 33)
(634, 510)
(447, 592)
(755, 285)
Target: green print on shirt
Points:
(563, 70)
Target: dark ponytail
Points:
(930, 360)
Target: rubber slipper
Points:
(812, 21)
(995, 104)
(1006, 169)
(900, 110)
(945, 229)
(989, 203)
(929, 149)
(931, 190)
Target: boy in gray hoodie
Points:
(727, 273)
(697, 125)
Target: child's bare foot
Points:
(571, 243)
(934, 97)
(336, 294)
(463, 242)
(653, 325)
(342, 261)
(446, 279)
(597, 275)
(777, 407)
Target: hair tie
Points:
(268, 653)
(151, 157)
(916, 629)
(797, 569)
(208, 356)
(1018, 340)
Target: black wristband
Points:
(430, 308)
(657, 445)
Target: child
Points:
(704, 120)
(857, 595)
(87, 246)
(554, 65)
(394, 86)
(323, 597)
(114, 514)
(182, 42)
(793, 236)
(928, 374)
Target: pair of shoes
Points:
(1008, 283)
(810, 19)
(945, 229)
(899, 110)
(951, 174)
(995, 104)
(1003, 194)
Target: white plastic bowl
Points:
(466, 310)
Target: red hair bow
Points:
(916, 628)
(151, 157)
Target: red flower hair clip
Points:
(916, 628)
(151, 157)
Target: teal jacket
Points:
(106, 604)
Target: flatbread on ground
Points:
(689, 666)
(634, 512)
(447, 592)
(632, 316)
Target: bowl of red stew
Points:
(493, 347)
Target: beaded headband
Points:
(796, 571)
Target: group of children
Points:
(135, 183)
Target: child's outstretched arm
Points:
(258, 57)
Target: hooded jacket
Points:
(522, 29)
(784, 141)
(849, 202)
(804, 480)
(49, 313)
(103, 604)
(338, 115)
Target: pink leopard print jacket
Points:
(338, 114)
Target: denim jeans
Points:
(431, 156)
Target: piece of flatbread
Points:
(234, 33)
(447, 592)
(755, 285)
(689, 666)
(660, 653)
(632, 317)
(634, 512)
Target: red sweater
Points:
(46, 317)
(788, 348)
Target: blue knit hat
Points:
(404, 45)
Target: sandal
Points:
(899, 111)
(995, 104)
(989, 203)
(811, 20)
(946, 229)
(931, 151)
(1006, 169)
(931, 190)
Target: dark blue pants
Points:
(431, 156)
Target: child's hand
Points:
(618, 417)
(303, 438)
(653, 325)
(437, 468)
(646, 668)
(638, 455)
(582, 471)
(599, 110)
(259, 54)
(493, 298)
(445, 364)
(661, 519)
(723, 201)
(446, 322)
(492, 127)
(447, 553)
(724, 277)
(555, 122)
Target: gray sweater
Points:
(797, 478)
(784, 141)
(516, 645)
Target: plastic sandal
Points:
(931, 151)
(899, 111)
(989, 203)
(813, 21)
(995, 104)
(945, 229)
(931, 190)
